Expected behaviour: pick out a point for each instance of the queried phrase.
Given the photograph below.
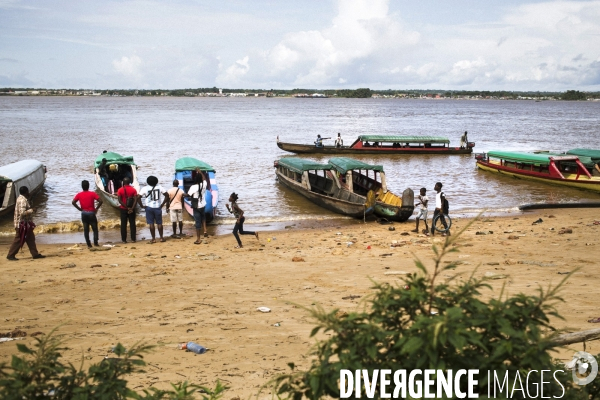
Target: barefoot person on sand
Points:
(423, 202)
(439, 205)
(87, 205)
(153, 194)
(175, 208)
(239, 223)
(127, 196)
(198, 194)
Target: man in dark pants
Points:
(23, 226)
(439, 208)
(127, 196)
(88, 210)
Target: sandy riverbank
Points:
(176, 291)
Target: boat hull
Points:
(332, 204)
(30, 173)
(395, 213)
(312, 149)
(583, 182)
(111, 198)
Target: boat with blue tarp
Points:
(186, 169)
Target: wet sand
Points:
(172, 292)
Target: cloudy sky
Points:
(381, 44)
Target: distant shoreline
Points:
(364, 93)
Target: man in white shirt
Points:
(423, 203)
(338, 141)
(198, 194)
(464, 141)
(154, 200)
(439, 209)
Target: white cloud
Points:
(128, 66)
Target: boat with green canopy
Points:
(109, 171)
(565, 170)
(316, 182)
(186, 170)
(382, 144)
(361, 179)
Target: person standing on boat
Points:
(464, 141)
(238, 213)
(87, 205)
(423, 203)
(319, 141)
(198, 194)
(175, 207)
(338, 141)
(23, 227)
(127, 196)
(440, 198)
(155, 200)
(103, 172)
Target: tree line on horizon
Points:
(346, 93)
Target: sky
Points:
(285, 44)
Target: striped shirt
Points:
(23, 210)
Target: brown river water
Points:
(237, 136)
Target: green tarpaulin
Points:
(300, 165)
(191, 164)
(113, 158)
(403, 139)
(345, 164)
(528, 158)
(593, 154)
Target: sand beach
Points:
(167, 293)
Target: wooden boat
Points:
(29, 173)
(185, 172)
(354, 176)
(118, 168)
(383, 144)
(564, 170)
(312, 181)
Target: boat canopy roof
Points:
(345, 164)
(114, 158)
(593, 154)
(587, 161)
(529, 158)
(19, 170)
(191, 164)
(403, 139)
(300, 165)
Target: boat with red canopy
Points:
(564, 170)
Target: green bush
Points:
(429, 321)
(39, 373)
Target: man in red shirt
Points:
(88, 210)
(127, 199)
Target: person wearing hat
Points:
(154, 199)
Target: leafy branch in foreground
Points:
(429, 323)
(40, 373)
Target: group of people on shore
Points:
(152, 198)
